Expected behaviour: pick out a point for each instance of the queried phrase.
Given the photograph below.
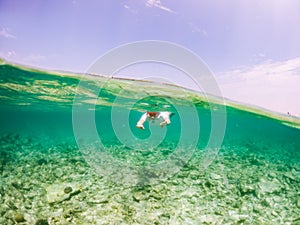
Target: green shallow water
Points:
(216, 163)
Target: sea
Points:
(70, 153)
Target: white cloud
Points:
(158, 4)
(5, 32)
(262, 55)
(34, 58)
(195, 29)
(8, 54)
(11, 54)
(271, 85)
(130, 9)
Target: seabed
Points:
(243, 185)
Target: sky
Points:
(252, 47)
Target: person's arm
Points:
(166, 118)
(140, 123)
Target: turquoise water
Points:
(216, 163)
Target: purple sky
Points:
(232, 37)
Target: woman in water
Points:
(165, 116)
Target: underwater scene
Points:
(70, 153)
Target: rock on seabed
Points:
(269, 186)
(56, 192)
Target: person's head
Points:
(152, 115)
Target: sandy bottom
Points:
(248, 183)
